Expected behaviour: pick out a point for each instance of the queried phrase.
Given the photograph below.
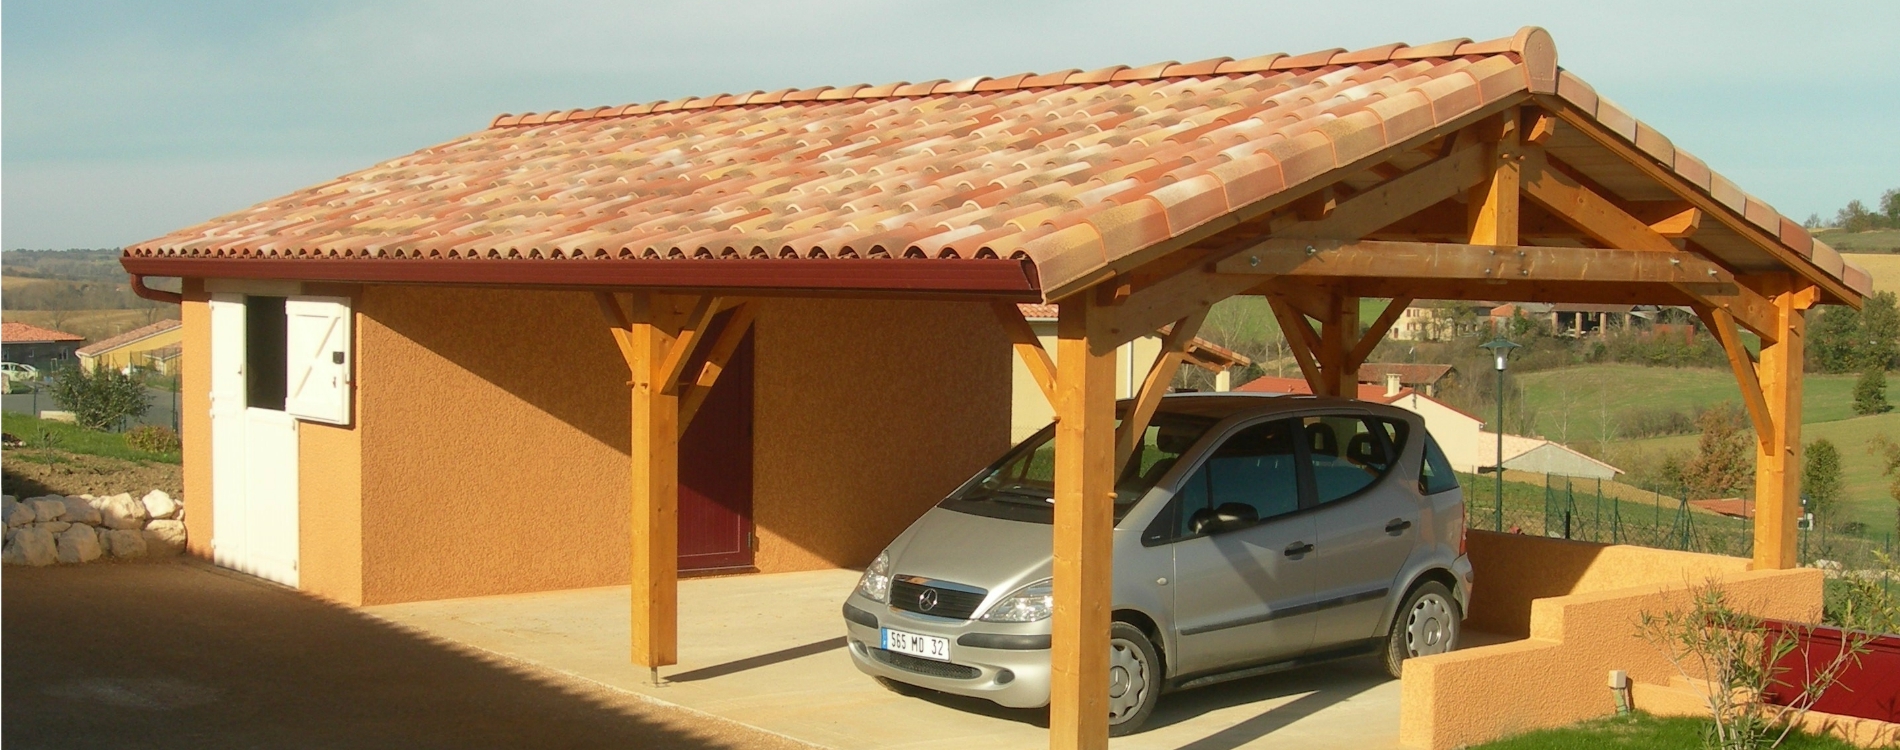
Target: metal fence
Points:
(1580, 509)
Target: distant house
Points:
(1540, 456)
(1438, 321)
(41, 348)
(153, 347)
(1579, 319)
(1425, 378)
(1030, 411)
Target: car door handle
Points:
(1298, 548)
(1397, 526)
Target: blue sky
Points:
(125, 120)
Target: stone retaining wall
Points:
(81, 528)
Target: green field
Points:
(1590, 394)
(1866, 498)
(1873, 241)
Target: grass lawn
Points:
(1639, 732)
(1590, 393)
(72, 438)
(1866, 498)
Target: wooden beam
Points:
(1174, 351)
(1431, 260)
(1543, 126)
(1722, 324)
(1180, 293)
(1769, 242)
(1778, 460)
(668, 375)
(1680, 226)
(1609, 224)
(1084, 526)
(1297, 333)
(1376, 332)
(1629, 293)
(1028, 346)
(731, 334)
(1493, 203)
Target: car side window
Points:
(1250, 478)
(1347, 454)
(1434, 473)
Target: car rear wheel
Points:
(1134, 679)
(1428, 623)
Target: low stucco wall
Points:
(1580, 605)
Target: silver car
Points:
(1252, 534)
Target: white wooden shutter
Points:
(318, 348)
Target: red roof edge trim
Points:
(991, 277)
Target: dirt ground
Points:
(183, 655)
(29, 472)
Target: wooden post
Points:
(646, 334)
(1084, 520)
(1493, 207)
(1778, 458)
(1338, 334)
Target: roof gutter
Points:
(1015, 279)
(156, 295)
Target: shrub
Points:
(1654, 421)
(100, 399)
(152, 439)
(1870, 392)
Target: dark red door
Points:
(716, 472)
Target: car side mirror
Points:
(1226, 517)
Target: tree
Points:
(99, 399)
(1870, 392)
(1845, 340)
(1889, 453)
(1821, 477)
(1721, 464)
(1890, 207)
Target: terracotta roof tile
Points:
(1856, 278)
(1069, 170)
(22, 333)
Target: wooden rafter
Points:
(1722, 324)
(668, 375)
(1028, 346)
(1298, 334)
(1608, 223)
(1665, 176)
(731, 334)
(1174, 350)
(1376, 332)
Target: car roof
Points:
(1224, 405)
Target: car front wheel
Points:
(1134, 679)
(1428, 623)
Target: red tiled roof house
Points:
(821, 285)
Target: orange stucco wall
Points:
(195, 416)
(488, 453)
(1580, 606)
(494, 434)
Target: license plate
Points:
(926, 646)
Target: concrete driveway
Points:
(768, 651)
(182, 655)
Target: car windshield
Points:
(1021, 486)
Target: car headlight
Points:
(876, 583)
(1027, 604)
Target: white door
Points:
(253, 460)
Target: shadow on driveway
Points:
(182, 655)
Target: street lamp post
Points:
(1500, 348)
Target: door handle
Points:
(1298, 548)
(1397, 526)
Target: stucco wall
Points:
(1578, 604)
(194, 425)
(494, 434)
(868, 412)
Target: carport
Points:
(1132, 198)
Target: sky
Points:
(122, 121)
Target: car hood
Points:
(995, 554)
